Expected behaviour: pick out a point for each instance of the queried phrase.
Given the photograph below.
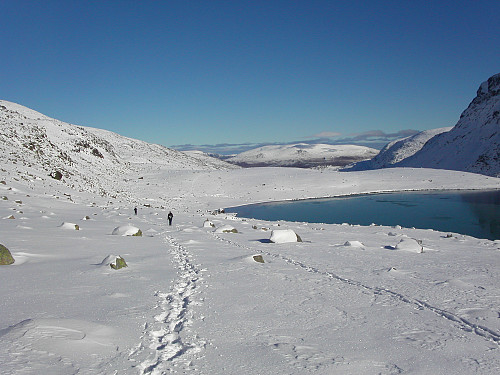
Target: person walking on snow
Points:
(135, 210)
(170, 217)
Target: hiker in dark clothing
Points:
(135, 210)
(170, 217)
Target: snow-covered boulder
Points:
(114, 261)
(6, 257)
(284, 236)
(69, 226)
(226, 229)
(356, 244)
(127, 230)
(208, 224)
(410, 244)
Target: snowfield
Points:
(346, 300)
(218, 296)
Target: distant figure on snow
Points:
(170, 217)
(135, 210)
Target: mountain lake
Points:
(474, 213)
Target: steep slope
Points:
(82, 157)
(398, 150)
(303, 155)
(473, 145)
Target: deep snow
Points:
(346, 300)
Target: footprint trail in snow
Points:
(168, 338)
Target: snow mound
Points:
(69, 226)
(356, 244)
(127, 230)
(410, 244)
(284, 236)
(208, 224)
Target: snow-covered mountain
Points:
(398, 150)
(303, 155)
(82, 156)
(472, 145)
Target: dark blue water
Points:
(467, 212)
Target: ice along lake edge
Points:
(470, 212)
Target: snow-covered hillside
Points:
(303, 155)
(472, 145)
(84, 157)
(397, 150)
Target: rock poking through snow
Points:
(226, 229)
(6, 257)
(127, 230)
(69, 226)
(114, 261)
(208, 224)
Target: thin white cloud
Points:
(326, 135)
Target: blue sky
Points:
(248, 72)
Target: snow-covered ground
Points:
(346, 300)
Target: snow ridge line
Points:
(168, 344)
(463, 324)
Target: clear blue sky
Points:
(210, 72)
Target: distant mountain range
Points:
(472, 145)
(41, 147)
(303, 155)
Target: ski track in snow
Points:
(170, 344)
(463, 324)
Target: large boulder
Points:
(284, 236)
(5, 256)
